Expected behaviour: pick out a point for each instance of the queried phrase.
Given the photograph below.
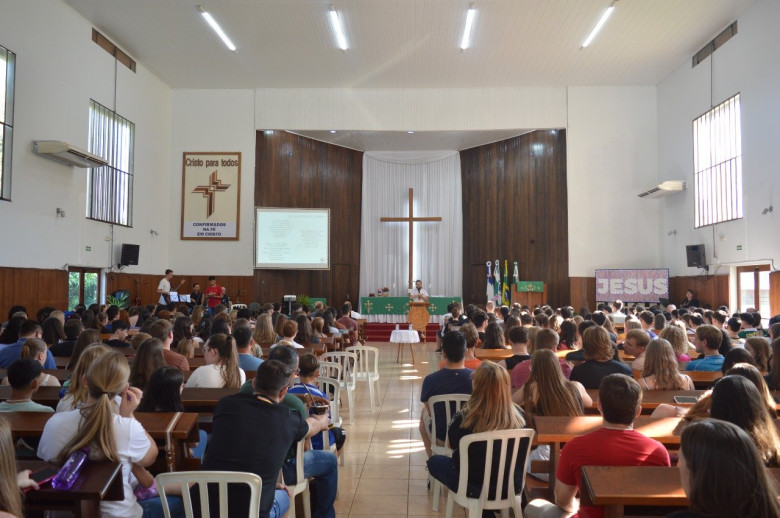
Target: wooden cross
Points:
(210, 191)
(411, 220)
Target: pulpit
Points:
(529, 293)
(419, 317)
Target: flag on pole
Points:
(497, 282)
(505, 293)
(516, 276)
(489, 290)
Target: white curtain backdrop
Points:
(438, 246)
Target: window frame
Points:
(7, 124)
(724, 202)
(117, 208)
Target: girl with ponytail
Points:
(221, 369)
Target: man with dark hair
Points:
(616, 443)
(24, 377)
(213, 295)
(163, 331)
(480, 320)
(319, 464)
(646, 318)
(274, 429)
(9, 353)
(518, 337)
(73, 328)
(567, 312)
(454, 378)
(164, 288)
(707, 342)
(348, 322)
(118, 336)
(244, 344)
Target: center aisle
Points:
(384, 472)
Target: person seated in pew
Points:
(470, 361)
(35, 349)
(707, 340)
(616, 443)
(309, 369)
(163, 394)
(9, 353)
(86, 338)
(518, 338)
(676, 336)
(545, 339)
(245, 345)
(221, 369)
(494, 337)
(73, 328)
(109, 431)
(578, 355)
(661, 368)
(635, 344)
(548, 393)
(24, 376)
(773, 378)
(599, 362)
(289, 331)
(305, 335)
(163, 331)
(148, 358)
(735, 356)
(709, 449)
(76, 394)
(758, 346)
(11, 481)
(53, 330)
(454, 378)
(570, 339)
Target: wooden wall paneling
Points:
(294, 171)
(774, 294)
(712, 289)
(583, 293)
(514, 208)
(239, 287)
(32, 288)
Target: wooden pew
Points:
(703, 380)
(618, 486)
(60, 374)
(650, 399)
(493, 355)
(99, 481)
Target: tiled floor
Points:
(384, 469)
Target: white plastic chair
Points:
(331, 387)
(347, 380)
(331, 370)
(184, 478)
(450, 404)
(367, 369)
(301, 484)
(514, 456)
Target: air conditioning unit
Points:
(67, 154)
(664, 189)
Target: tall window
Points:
(717, 160)
(7, 66)
(110, 188)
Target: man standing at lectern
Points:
(418, 293)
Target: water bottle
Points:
(397, 327)
(67, 475)
(411, 328)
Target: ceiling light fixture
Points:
(410, 132)
(216, 28)
(338, 29)
(332, 131)
(466, 39)
(604, 17)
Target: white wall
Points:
(58, 70)
(749, 63)
(213, 120)
(612, 157)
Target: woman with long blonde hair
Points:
(107, 431)
(676, 336)
(661, 370)
(77, 394)
(221, 369)
(489, 408)
(11, 481)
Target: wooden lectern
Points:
(419, 317)
(529, 293)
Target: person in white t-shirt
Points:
(418, 293)
(221, 369)
(67, 432)
(164, 288)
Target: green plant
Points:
(303, 300)
(121, 299)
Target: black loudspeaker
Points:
(129, 254)
(696, 257)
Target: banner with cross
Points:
(210, 197)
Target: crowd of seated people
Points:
(553, 356)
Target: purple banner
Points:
(632, 285)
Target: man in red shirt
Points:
(616, 443)
(214, 294)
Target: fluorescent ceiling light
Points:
(338, 29)
(216, 28)
(599, 25)
(470, 15)
(332, 131)
(410, 132)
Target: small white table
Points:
(404, 336)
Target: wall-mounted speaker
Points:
(129, 255)
(696, 257)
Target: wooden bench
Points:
(60, 374)
(616, 487)
(98, 481)
(493, 355)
